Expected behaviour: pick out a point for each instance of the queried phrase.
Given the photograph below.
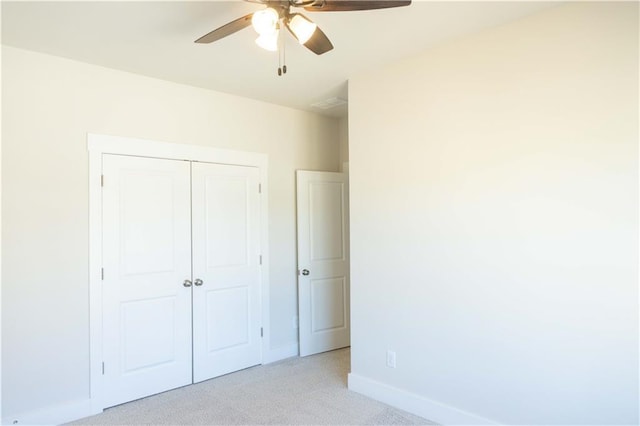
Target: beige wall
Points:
(494, 222)
(49, 106)
(343, 137)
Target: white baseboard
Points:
(53, 415)
(413, 403)
(283, 352)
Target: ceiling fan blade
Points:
(347, 5)
(226, 29)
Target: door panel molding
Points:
(98, 145)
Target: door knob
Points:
(187, 283)
(305, 272)
(198, 282)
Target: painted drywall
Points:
(494, 223)
(343, 138)
(0, 226)
(49, 106)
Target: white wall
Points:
(494, 210)
(49, 106)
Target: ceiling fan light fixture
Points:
(268, 41)
(265, 21)
(302, 28)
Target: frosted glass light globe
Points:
(268, 41)
(302, 28)
(265, 21)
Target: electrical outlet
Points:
(391, 359)
(295, 321)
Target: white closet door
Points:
(226, 241)
(146, 259)
(323, 261)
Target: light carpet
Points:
(296, 391)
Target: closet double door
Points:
(181, 283)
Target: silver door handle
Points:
(187, 283)
(305, 272)
(198, 282)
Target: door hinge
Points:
(103, 368)
(102, 274)
(261, 332)
(101, 180)
(261, 259)
(259, 188)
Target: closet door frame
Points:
(98, 145)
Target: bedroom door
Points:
(323, 261)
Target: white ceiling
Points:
(155, 38)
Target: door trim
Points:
(98, 145)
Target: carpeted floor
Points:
(296, 391)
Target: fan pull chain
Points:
(279, 57)
(282, 57)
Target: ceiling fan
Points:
(266, 21)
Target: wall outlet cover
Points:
(391, 359)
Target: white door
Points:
(146, 260)
(226, 269)
(323, 261)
